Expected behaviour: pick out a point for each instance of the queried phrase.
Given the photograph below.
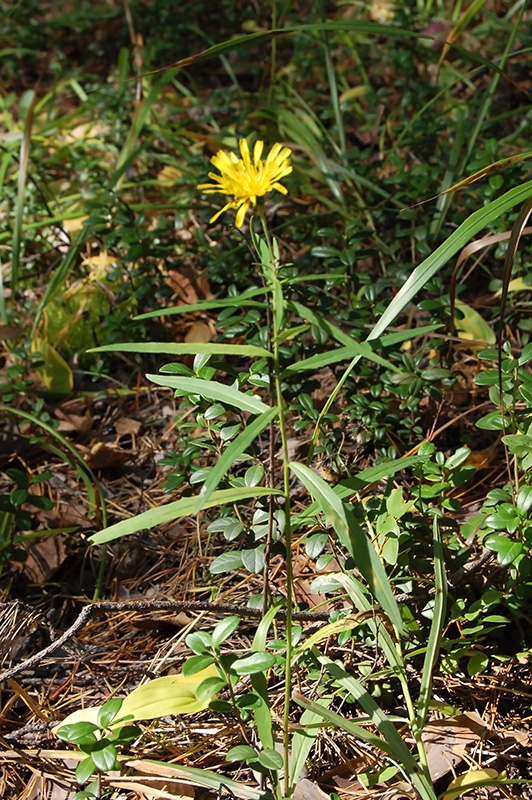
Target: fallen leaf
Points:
(308, 790)
(446, 741)
(10, 332)
(126, 426)
(104, 455)
(44, 559)
(74, 422)
(198, 332)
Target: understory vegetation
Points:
(266, 399)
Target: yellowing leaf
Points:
(517, 285)
(74, 225)
(55, 372)
(169, 176)
(171, 694)
(463, 783)
(472, 325)
(99, 265)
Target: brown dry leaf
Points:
(308, 790)
(104, 455)
(74, 422)
(10, 332)
(182, 287)
(302, 582)
(189, 288)
(481, 459)
(446, 741)
(174, 772)
(199, 333)
(126, 425)
(44, 558)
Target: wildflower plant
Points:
(363, 577)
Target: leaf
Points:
(198, 777)
(212, 390)
(256, 662)
(226, 562)
(270, 759)
(354, 539)
(470, 325)
(184, 348)
(171, 694)
(241, 752)
(224, 629)
(108, 712)
(172, 511)
(208, 305)
(55, 372)
(253, 560)
(463, 783)
(104, 756)
(84, 770)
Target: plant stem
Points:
(272, 278)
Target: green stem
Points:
(272, 278)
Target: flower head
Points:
(245, 179)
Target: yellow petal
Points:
(274, 152)
(241, 214)
(219, 213)
(257, 151)
(244, 149)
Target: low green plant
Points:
(101, 743)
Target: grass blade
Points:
(436, 628)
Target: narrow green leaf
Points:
(172, 511)
(183, 348)
(436, 628)
(212, 390)
(354, 539)
(320, 360)
(208, 305)
(230, 454)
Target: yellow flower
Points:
(246, 179)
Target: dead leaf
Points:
(74, 422)
(308, 790)
(44, 558)
(104, 455)
(199, 333)
(10, 332)
(126, 426)
(189, 287)
(446, 741)
(155, 790)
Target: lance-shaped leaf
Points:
(353, 538)
(212, 390)
(184, 348)
(180, 508)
